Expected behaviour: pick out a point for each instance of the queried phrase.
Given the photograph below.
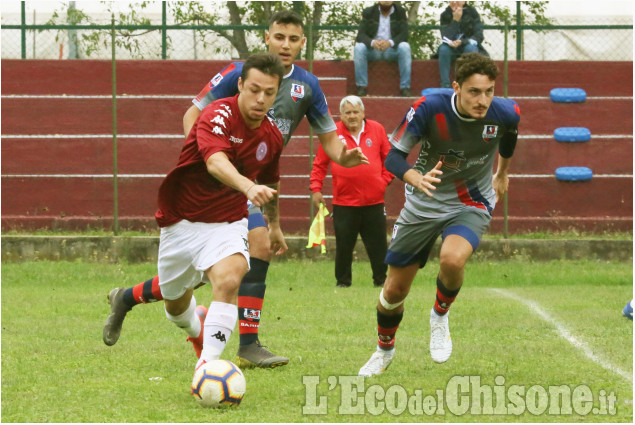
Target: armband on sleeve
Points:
(507, 145)
(396, 162)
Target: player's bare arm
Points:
(272, 210)
(336, 150)
(500, 180)
(190, 117)
(424, 182)
(219, 166)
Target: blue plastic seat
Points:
(435, 90)
(572, 134)
(568, 95)
(574, 174)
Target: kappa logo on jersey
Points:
(452, 159)
(217, 130)
(261, 151)
(218, 120)
(297, 92)
(489, 132)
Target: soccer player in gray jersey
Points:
(450, 191)
(299, 95)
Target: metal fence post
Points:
(23, 29)
(309, 55)
(164, 31)
(519, 32)
(115, 171)
(505, 82)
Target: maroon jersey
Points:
(189, 192)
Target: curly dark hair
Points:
(474, 63)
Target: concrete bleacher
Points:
(57, 140)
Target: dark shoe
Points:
(361, 91)
(405, 92)
(255, 355)
(118, 311)
(378, 284)
(343, 285)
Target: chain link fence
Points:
(31, 34)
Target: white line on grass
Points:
(565, 333)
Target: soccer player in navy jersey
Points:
(299, 95)
(451, 191)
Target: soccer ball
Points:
(218, 383)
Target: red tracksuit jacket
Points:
(362, 185)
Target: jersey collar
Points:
(456, 112)
(290, 72)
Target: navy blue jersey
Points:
(466, 146)
(299, 95)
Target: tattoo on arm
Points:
(272, 208)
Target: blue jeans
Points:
(401, 54)
(446, 55)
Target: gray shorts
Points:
(413, 237)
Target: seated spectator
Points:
(358, 192)
(383, 35)
(462, 32)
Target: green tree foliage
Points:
(327, 43)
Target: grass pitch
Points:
(568, 335)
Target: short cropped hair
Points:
(353, 100)
(286, 17)
(474, 63)
(267, 63)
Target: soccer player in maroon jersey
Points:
(299, 95)
(231, 155)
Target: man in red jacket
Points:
(358, 193)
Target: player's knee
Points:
(452, 262)
(392, 296)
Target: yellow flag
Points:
(317, 234)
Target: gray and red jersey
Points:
(299, 95)
(466, 146)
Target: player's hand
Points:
(259, 194)
(424, 182)
(456, 43)
(276, 238)
(500, 182)
(317, 199)
(352, 157)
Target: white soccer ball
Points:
(218, 383)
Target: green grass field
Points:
(568, 332)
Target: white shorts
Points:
(187, 250)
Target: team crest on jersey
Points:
(261, 151)
(217, 79)
(369, 143)
(297, 92)
(489, 132)
(411, 113)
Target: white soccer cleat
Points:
(440, 341)
(379, 362)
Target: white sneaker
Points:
(379, 362)
(440, 341)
